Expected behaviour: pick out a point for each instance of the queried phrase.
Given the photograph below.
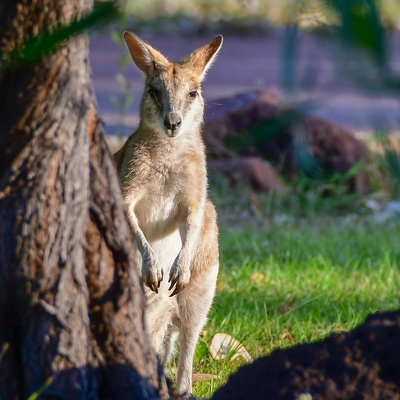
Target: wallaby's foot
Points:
(152, 272)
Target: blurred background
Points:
(303, 99)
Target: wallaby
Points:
(162, 168)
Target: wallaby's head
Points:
(172, 103)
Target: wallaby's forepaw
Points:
(152, 273)
(178, 277)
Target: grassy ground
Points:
(286, 281)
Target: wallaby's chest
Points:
(165, 186)
(158, 211)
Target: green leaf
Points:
(130, 99)
(393, 160)
(361, 25)
(36, 395)
(305, 160)
(116, 37)
(115, 101)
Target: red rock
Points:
(261, 176)
(227, 134)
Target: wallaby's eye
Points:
(153, 92)
(193, 94)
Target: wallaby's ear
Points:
(145, 57)
(201, 60)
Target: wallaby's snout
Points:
(172, 123)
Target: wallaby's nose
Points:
(172, 121)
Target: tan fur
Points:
(162, 169)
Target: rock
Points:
(204, 377)
(361, 364)
(237, 113)
(261, 176)
(224, 345)
(243, 125)
(384, 211)
(235, 116)
(335, 147)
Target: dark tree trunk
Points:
(71, 303)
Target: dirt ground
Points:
(251, 62)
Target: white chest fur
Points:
(157, 214)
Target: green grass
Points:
(298, 282)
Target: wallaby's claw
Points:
(179, 287)
(176, 291)
(153, 277)
(173, 281)
(177, 279)
(160, 280)
(174, 277)
(152, 287)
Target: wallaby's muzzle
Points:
(172, 122)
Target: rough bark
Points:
(71, 302)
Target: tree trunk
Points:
(71, 302)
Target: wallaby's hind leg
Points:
(160, 314)
(194, 304)
(169, 342)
